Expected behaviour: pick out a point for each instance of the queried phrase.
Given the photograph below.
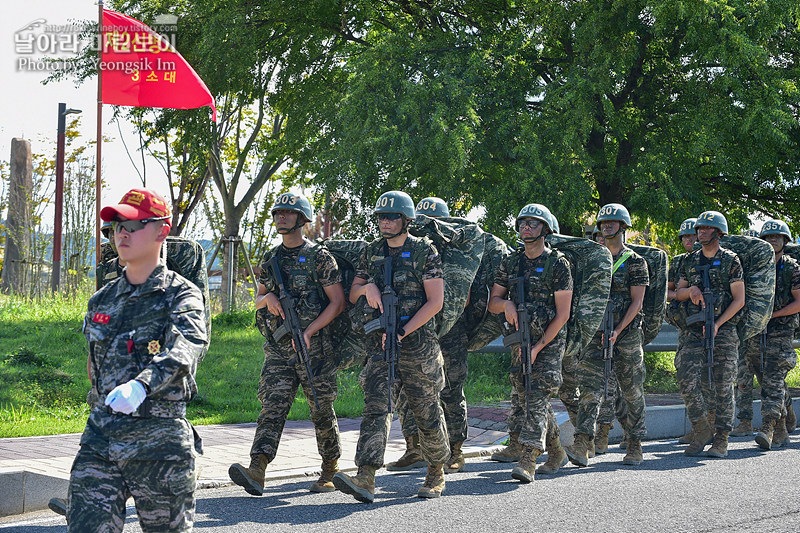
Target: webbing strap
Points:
(621, 260)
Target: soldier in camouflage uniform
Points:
(770, 354)
(727, 283)
(311, 276)
(744, 383)
(419, 285)
(146, 333)
(110, 266)
(612, 406)
(630, 279)
(547, 283)
(454, 402)
(688, 238)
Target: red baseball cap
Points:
(137, 204)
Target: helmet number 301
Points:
(383, 201)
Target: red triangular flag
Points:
(141, 68)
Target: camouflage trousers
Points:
(692, 372)
(281, 376)
(545, 382)
(614, 405)
(705, 389)
(744, 385)
(454, 402)
(162, 490)
(779, 359)
(628, 366)
(420, 371)
(568, 392)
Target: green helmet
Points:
(712, 219)
(614, 212)
(433, 206)
(750, 233)
(776, 227)
(395, 202)
(294, 202)
(537, 211)
(105, 229)
(554, 226)
(687, 227)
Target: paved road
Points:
(751, 491)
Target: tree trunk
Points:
(230, 262)
(18, 237)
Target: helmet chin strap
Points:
(531, 239)
(297, 224)
(386, 235)
(620, 230)
(714, 238)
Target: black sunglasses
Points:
(389, 216)
(133, 225)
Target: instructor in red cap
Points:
(146, 332)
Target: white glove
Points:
(126, 398)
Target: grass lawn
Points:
(43, 381)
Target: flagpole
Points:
(98, 180)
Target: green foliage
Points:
(669, 108)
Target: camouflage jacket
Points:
(155, 333)
(306, 270)
(544, 276)
(787, 278)
(631, 272)
(725, 269)
(412, 263)
(184, 256)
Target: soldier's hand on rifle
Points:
(274, 305)
(696, 295)
(383, 340)
(373, 294)
(306, 339)
(716, 329)
(538, 347)
(511, 314)
(613, 336)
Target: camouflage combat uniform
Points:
(155, 333)
(283, 371)
(680, 308)
(454, 402)
(779, 356)
(692, 367)
(420, 366)
(544, 276)
(628, 359)
(614, 406)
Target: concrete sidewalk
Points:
(35, 469)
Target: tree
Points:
(668, 107)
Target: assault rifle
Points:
(706, 316)
(763, 349)
(607, 327)
(291, 325)
(523, 337)
(389, 322)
